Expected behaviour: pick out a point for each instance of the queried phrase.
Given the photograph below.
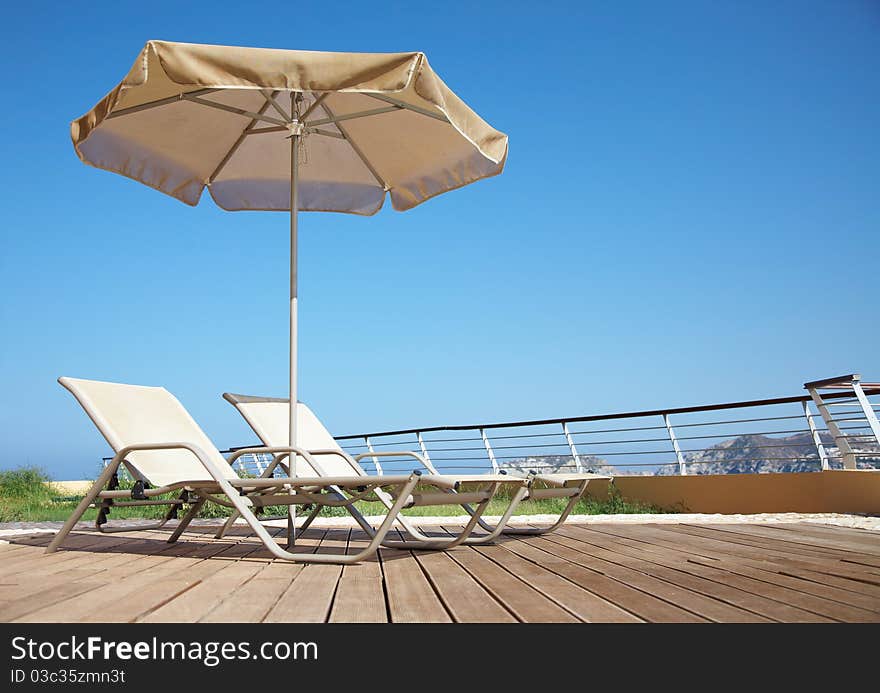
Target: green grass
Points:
(24, 497)
(24, 494)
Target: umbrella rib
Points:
(160, 102)
(270, 128)
(241, 138)
(408, 106)
(317, 102)
(352, 116)
(233, 109)
(278, 128)
(326, 133)
(353, 145)
(269, 95)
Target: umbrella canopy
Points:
(191, 116)
(288, 130)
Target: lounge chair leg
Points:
(291, 527)
(184, 523)
(84, 504)
(565, 513)
(234, 515)
(141, 528)
(312, 516)
(423, 541)
(249, 517)
(502, 522)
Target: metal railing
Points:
(779, 434)
(765, 435)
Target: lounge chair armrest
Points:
(355, 467)
(196, 451)
(319, 482)
(566, 480)
(452, 481)
(280, 453)
(398, 453)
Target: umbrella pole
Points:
(294, 205)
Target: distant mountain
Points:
(757, 454)
(754, 454)
(558, 464)
(746, 454)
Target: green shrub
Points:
(23, 492)
(24, 482)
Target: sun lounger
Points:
(268, 417)
(165, 451)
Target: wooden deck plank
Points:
(411, 597)
(202, 559)
(638, 604)
(252, 601)
(819, 606)
(205, 596)
(577, 591)
(839, 589)
(864, 564)
(80, 550)
(853, 576)
(117, 571)
(213, 589)
(741, 548)
(826, 530)
(11, 610)
(780, 540)
(598, 572)
(836, 545)
(47, 590)
(360, 594)
(680, 598)
(523, 600)
(844, 578)
(849, 606)
(836, 572)
(15, 545)
(699, 578)
(108, 594)
(742, 541)
(634, 570)
(465, 598)
(720, 542)
(309, 597)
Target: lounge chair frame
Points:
(571, 486)
(242, 495)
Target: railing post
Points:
(870, 415)
(489, 451)
(843, 447)
(424, 450)
(375, 459)
(682, 465)
(574, 453)
(817, 439)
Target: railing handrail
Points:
(604, 417)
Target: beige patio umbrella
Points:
(282, 130)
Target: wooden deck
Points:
(608, 572)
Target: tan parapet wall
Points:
(70, 488)
(811, 492)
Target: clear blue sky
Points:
(689, 214)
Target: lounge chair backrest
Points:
(130, 414)
(269, 417)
